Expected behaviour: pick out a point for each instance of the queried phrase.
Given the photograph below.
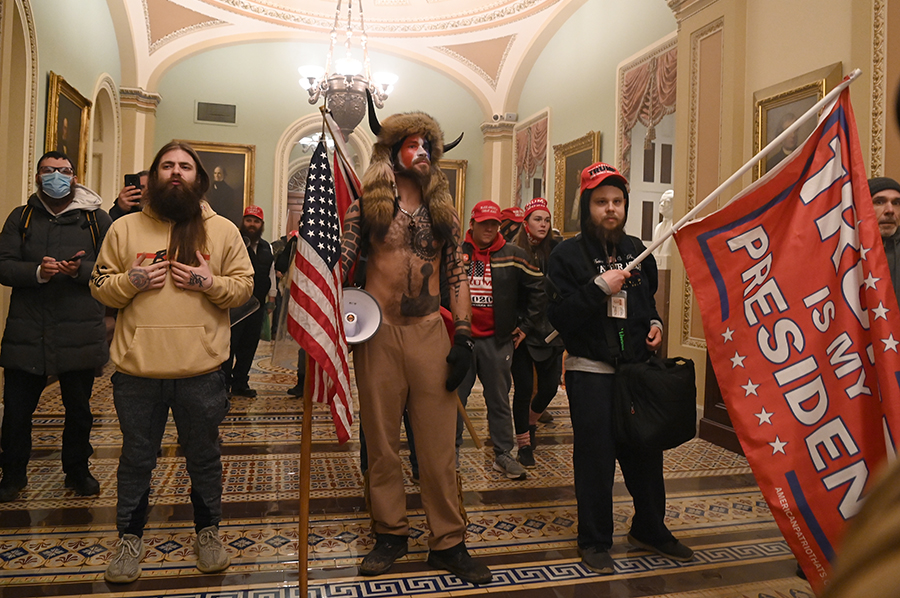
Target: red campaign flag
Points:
(799, 314)
(314, 308)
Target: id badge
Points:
(617, 306)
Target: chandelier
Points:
(344, 87)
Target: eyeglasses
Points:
(51, 169)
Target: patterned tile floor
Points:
(52, 542)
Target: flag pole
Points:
(305, 459)
(831, 97)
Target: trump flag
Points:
(799, 314)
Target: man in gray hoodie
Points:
(54, 327)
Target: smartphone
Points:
(74, 257)
(134, 180)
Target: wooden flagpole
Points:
(305, 459)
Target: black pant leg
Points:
(76, 390)
(21, 392)
(523, 381)
(244, 347)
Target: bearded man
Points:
(54, 327)
(245, 333)
(173, 271)
(408, 227)
(606, 316)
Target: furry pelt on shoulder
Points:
(378, 180)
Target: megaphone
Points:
(361, 314)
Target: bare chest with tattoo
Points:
(404, 268)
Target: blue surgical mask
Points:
(56, 184)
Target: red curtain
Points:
(648, 95)
(531, 152)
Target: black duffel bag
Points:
(656, 403)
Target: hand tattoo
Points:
(196, 280)
(139, 278)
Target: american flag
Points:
(314, 310)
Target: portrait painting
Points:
(570, 159)
(68, 117)
(455, 171)
(776, 108)
(230, 167)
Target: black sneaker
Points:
(546, 417)
(297, 391)
(672, 549)
(525, 456)
(457, 561)
(243, 391)
(388, 548)
(84, 484)
(10, 488)
(597, 560)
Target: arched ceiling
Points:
(483, 45)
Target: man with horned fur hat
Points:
(408, 227)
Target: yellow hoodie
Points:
(170, 332)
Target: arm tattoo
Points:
(139, 278)
(350, 239)
(459, 283)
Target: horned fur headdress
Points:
(378, 181)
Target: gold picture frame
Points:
(569, 160)
(455, 171)
(234, 192)
(776, 106)
(68, 120)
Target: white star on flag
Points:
(870, 281)
(863, 251)
(880, 311)
(890, 343)
(727, 335)
(765, 418)
(778, 446)
(737, 360)
(750, 388)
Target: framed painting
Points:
(68, 120)
(455, 171)
(231, 176)
(778, 107)
(570, 159)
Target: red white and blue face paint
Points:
(415, 150)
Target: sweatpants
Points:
(198, 404)
(492, 362)
(405, 367)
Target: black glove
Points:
(460, 360)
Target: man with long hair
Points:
(172, 271)
(607, 316)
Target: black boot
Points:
(457, 561)
(388, 548)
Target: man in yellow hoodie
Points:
(172, 270)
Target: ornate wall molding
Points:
(697, 37)
(27, 16)
(477, 69)
(879, 85)
(138, 99)
(500, 130)
(106, 83)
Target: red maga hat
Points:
(538, 203)
(254, 211)
(597, 173)
(515, 214)
(486, 210)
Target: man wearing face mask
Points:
(54, 327)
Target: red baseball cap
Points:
(486, 210)
(514, 214)
(254, 211)
(538, 203)
(597, 173)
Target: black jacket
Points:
(536, 343)
(262, 262)
(517, 289)
(56, 326)
(578, 306)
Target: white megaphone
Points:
(361, 314)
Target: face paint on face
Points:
(414, 152)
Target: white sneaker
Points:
(125, 566)
(211, 553)
(508, 466)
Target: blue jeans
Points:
(594, 460)
(198, 405)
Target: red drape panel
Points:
(531, 151)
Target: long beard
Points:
(178, 203)
(252, 236)
(606, 237)
(415, 174)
